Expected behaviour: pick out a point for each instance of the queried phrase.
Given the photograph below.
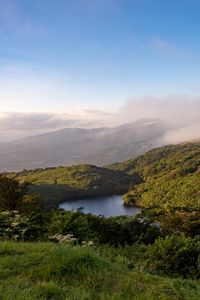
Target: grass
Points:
(30, 271)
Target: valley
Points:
(163, 176)
(81, 253)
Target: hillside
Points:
(168, 175)
(47, 271)
(76, 145)
(64, 183)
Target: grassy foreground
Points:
(59, 271)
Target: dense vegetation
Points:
(168, 175)
(47, 253)
(154, 255)
(60, 184)
(78, 256)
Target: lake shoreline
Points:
(106, 206)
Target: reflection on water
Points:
(105, 206)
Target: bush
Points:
(175, 255)
(18, 227)
(114, 230)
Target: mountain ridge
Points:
(99, 146)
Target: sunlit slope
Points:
(168, 175)
(65, 183)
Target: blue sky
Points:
(62, 55)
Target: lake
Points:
(105, 206)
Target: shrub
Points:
(18, 227)
(114, 230)
(175, 255)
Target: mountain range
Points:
(69, 146)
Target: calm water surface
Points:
(106, 206)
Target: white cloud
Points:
(181, 111)
(177, 109)
(15, 125)
(32, 121)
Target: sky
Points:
(89, 59)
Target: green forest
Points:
(50, 253)
(166, 176)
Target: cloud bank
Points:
(183, 113)
(14, 125)
(178, 109)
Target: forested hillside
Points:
(64, 183)
(168, 175)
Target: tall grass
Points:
(34, 271)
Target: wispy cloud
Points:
(28, 122)
(168, 48)
(15, 125)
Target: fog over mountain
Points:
(182, 111)
(98, 146)
(35, 140)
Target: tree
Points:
(12, 193)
